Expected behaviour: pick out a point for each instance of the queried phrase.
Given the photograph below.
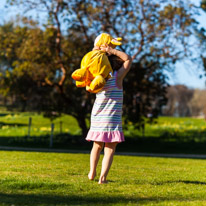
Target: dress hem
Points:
(111, 136)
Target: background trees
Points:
(184, 101)
(37, 58)
(201, 33)
(179, 98)
(198, 103)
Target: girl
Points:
(106, 116)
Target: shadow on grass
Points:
(60, 141)
(162, 144)
(3, 114)
(12, 124)
(96, 199)
(192, 182)
(182, 181)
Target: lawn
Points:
(14, 129)
(179, 128)
(165, 135)
(45, 179)
(17, 123)
(171, 127)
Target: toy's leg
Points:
(97, 83)
(84, 79)
(80, 84)
(79, 74)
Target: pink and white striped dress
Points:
(106, 116)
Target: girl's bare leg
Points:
(94, 158)
(109, 150)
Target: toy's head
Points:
(105, 38)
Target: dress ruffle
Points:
(113, 136)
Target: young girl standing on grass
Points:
(106, 117)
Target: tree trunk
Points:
(82, 124)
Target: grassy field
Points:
(45, 179)
(17, 123)
(14, 129)
(172, 127)
(183, 128)
(167, 134)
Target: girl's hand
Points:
(107, 49)
(96, 48)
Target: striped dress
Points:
(106, 116)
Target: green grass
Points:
(174, 128)
(14, 130)
(45, 179)
(166, 135)
(182, 129)
(17, 123)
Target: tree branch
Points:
(141, 32)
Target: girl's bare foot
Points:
(91, 175)
(102, 182)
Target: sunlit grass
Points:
(166, 135)
(172, 127)
(17, 123)
(61, 179)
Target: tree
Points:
(34, 75)
(151, 30)
(179, 101)
(201, 34)
(157, 36)
(183, 101)
(198, 103)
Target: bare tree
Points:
(179, 97)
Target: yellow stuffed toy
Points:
(95, 66)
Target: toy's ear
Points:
(116, 41)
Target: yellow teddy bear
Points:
(95, 66)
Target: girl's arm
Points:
(121, 73)
(96, 48)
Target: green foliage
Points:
(30, 178)
(148, 94)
